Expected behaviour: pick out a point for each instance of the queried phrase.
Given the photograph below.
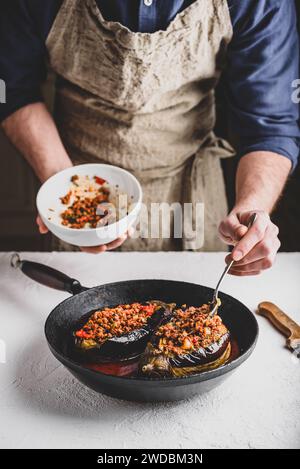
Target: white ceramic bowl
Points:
(50, 207)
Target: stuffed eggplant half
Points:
(190, 341)
(120, 332)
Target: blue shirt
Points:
(263, 61)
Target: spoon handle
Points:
(228, 267)
(226, 270)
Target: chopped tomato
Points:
(99, 180)
(149, 309)
(82, 334)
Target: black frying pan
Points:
(64, 318)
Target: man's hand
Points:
(260, 179)
(254, 248)
(95, 249)
(32, 130)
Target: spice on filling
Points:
(190, 329)
(114, 322)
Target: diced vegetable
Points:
(190, 342)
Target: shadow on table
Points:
(46, 385)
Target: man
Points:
(135, 88)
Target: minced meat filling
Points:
(83, 199)
(190, 329)
(114, 322)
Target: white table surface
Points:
(43, 406)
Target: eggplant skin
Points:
(125, 346)
(178, 372)
(155, 363)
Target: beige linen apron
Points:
(145, 102)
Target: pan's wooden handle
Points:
(282, 322)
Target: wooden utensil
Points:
(283, 323)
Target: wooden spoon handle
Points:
(281, 321)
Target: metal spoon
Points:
(215, 303)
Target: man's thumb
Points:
(232, 230)
(42, 227)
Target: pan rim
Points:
(198, 377)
